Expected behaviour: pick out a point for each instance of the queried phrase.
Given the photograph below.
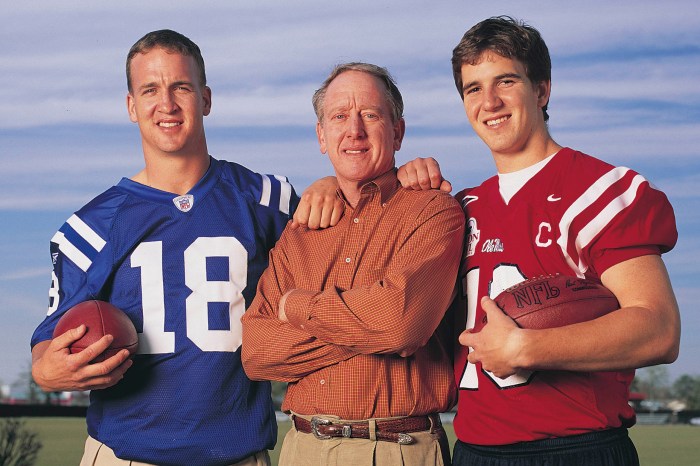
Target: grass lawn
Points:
(675, 445)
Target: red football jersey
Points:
(577, 216)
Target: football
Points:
(101, 318)
(556, 300)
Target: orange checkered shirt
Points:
(362, 339)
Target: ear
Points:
(131, 108)
(206, 95)
(543, 89)
(399, 131)
(321, 138)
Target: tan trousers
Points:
(99, 454)
(300, 449)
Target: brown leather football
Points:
(101, 318)
(556, 300)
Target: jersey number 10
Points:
(504, 276)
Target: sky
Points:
(624, 89)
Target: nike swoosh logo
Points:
(468, 200)
(551, 198)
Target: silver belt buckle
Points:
(317, 421)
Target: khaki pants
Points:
(99, 454)
(300, 449)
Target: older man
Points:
(350, 316)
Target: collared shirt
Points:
(362, 339)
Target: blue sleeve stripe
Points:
(79, 242)
(86, 233)
(71, 252)
(276, 187)
(266, 191)
(285, 194)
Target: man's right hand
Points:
(55, 369)
(423, 174)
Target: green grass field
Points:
(671, 445)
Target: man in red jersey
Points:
(555, 396)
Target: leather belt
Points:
(389, 430)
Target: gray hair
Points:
(393, 96)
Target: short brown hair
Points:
(508, 38)
(171, 41)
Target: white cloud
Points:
(24, 273)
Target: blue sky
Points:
(625, 89)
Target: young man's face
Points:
(168, 102)
(357, 130)
(503, 106)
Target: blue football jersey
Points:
(184, 268)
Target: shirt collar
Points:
(387, 184)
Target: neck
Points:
(173, 174)
(512, 162)
(350, 193)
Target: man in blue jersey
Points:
(179, 247)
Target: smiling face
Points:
(505, 109)
(357, 131)
(168, 103)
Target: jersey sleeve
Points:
(278, 195)
(79, 245)
(648, 228)
(273, 198)
(276, 192)
(626, 218)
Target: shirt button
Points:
(322, 382)
(347, 260)
(356, 220)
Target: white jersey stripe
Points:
(590, 231)
(71, 252)
(578, 206)
(285, 194)
(266, 191)
(86, 232)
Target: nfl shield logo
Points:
(184, 203)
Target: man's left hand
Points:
(320, 206)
